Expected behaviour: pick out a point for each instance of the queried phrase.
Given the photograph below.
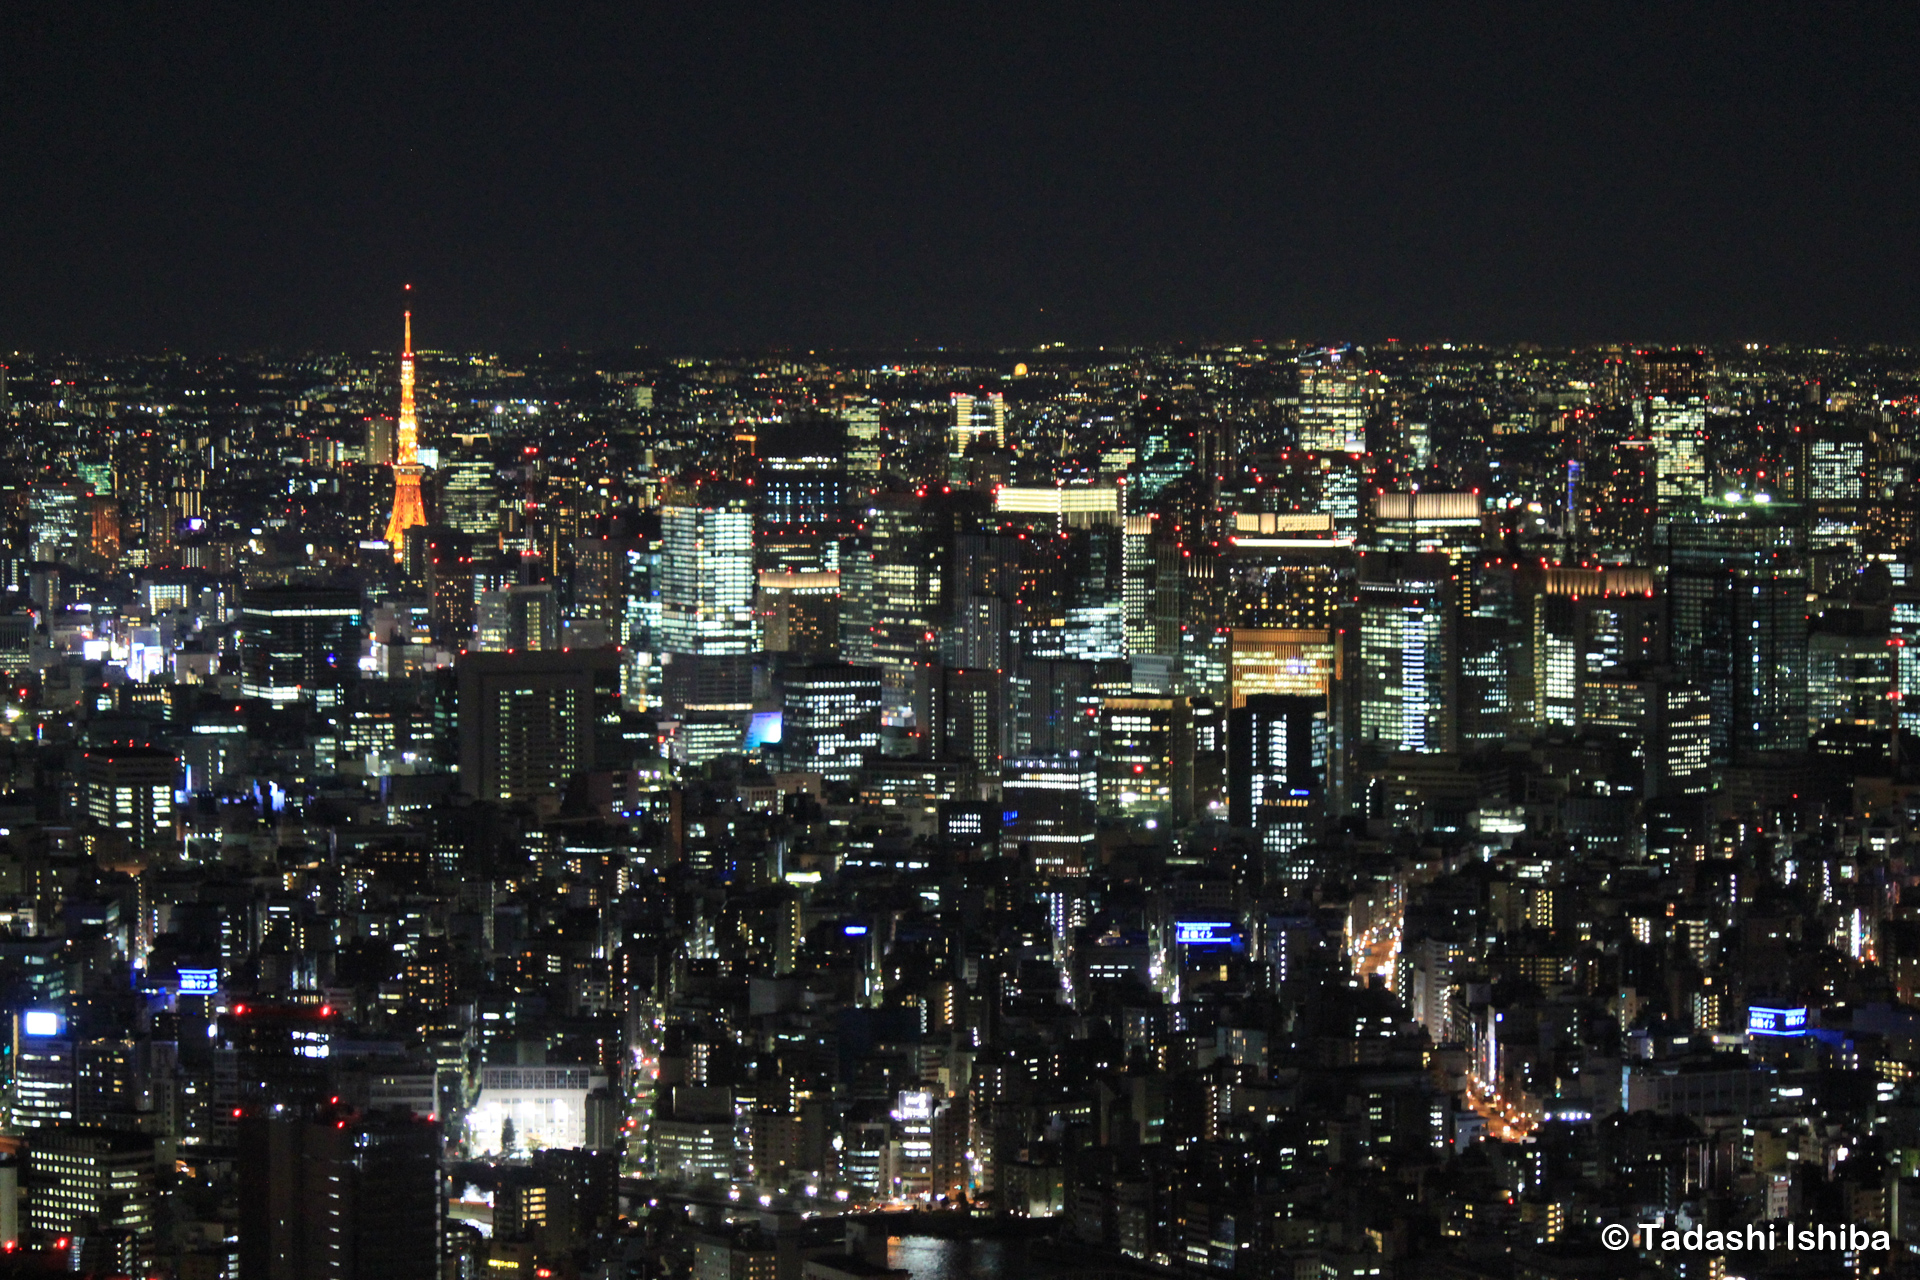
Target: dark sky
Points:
(196, 175)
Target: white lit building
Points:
(707, 581)
(548, 1106)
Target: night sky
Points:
(696, 175)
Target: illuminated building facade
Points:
(1408, 651)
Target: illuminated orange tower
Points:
(408, 509)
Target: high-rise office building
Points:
(1408, 652)
(94, 1186)
(911, 543)
(529, 721)
(469, 497)
(708, 630)
(830, 719)
(643, 617)
(58, 522)
(864, 441)
(976, 417)
(522, 618)
(130, 789)
(339, 1198)
(1277, 769)
(44, 1078)
(1145, 759)
(1334, 402)
(1664, 719)
(1263, 660)
(1048, 807)
(1586, 621)
(1674, 416)
(1448, 523)
(298, 644)
(1836, 481)
(803, 475)
(707, 580)
(449, 577)
(599, 586)
(1737, 622)
(971, 717)
(1054, 705)
(800, 613)
(1853, 686)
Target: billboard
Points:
(41, 1022)
(199, 982)
(763, 730)
(1203, 933)
(1763, 1021)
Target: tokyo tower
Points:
(408, 509)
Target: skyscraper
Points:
(803, 475)
(1277, 768)
(43, 1072)
(298, 644)
(830, 719)
(57, 521)
(1408, 648)
(408, 508)
(1333, 407)
(130, 789)
(707, 580)
(1445, 522)
(339, 1198)
(978, 416)
(708, 631)
(90, 1182)
(863, 443)
(1737, 622)
(523, 616)
(469, 500)
(530, 721)
(1675, 417)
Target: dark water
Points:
(935, 1258)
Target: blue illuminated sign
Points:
(1203, 933)
(41, 1022)
(1776, 1022)
(763, 730)
(199, 982)
(856, 931)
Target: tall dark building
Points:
(830, 718)
(530, 721)
(298, 644)
(339, 1198)
(803, 474)
(970, 723)
(1277, 768)
(449, 578)
(1737, 623)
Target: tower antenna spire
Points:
(409, 511)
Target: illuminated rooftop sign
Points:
(1776, 1022)
(1203, 933)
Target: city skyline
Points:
(1252, 809)
(985, 642)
